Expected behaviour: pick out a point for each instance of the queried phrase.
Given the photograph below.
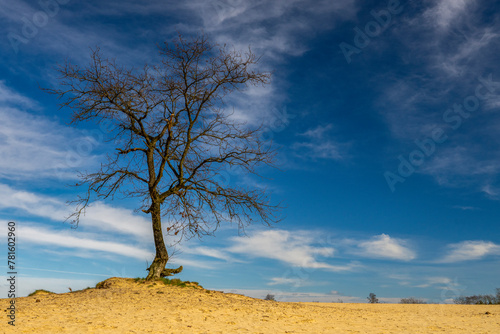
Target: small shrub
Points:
(103, 285)
(73, 291)
(174, 281)
(40, 291)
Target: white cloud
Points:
(294, 248)
(384, 247)
(119, 220)
(470, 250)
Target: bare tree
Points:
(270, 297)
(372, 298)
(173, 137)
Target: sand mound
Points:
(122, 305)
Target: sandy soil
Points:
(125, 306)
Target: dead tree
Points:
(174, 136)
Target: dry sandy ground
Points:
(126, 306)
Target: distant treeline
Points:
(479, 299)
(412, 300)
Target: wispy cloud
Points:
(318, 144)
(451, 20)
(32, 203)
(445, 12)
(9, 97)
(465, 207)
(210, 252)
(462, 163)
(444, 283)
(489, 190)
(293, 248)
(449, 45)
(33, 147)
(287, 296)
(418, 280)
(273, 28)
(295, 282)
(470, 250)
(115, 231)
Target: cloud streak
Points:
(98, 215)
(51, 237)
(317, 144)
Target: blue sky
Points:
(385, 117)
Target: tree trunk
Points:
(157, 267)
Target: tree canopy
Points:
(173, 136)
